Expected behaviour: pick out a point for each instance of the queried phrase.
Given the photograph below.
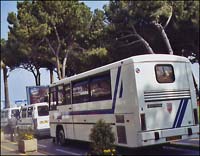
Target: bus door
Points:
(165, 99)
(62, 113)
(65, 110)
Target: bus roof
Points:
(159, 58)
(11, 108)
(133, 59)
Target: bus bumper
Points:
(43, 132)
(168, 135)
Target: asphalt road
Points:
(47, 147)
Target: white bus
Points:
(147, 99)
(35, 117)
(6, 115)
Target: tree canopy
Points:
(66, 34)
(130, 23)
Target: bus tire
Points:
(61, 137)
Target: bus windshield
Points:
(43, 110)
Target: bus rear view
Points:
(167, 100)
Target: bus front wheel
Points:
(61, 137)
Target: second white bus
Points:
(147, 99)
(35, 117)
(6, 115)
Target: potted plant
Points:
(102, 139)
(26, 141)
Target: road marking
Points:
(10, 149)
(67, 152)
(42, 145)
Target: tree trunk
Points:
(145, 43)
(35, 76)
(5, 77)
(164, 36)
(58, 68)
(51, 76)
(64, 63)
(38, 77)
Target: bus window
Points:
(60, 95)
(80, 92)
(67, 94)
(43, 110)
(52, 98)
(164, 73)
(24, 113)
(100, 88)
(30, 111)
(15, 112)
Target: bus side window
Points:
(101, 88)
(24, 113)
(60, 95)
(67, 94)
(80, 91)
(52, 98)
(30, 111)
(15, 112)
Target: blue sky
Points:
(19, 78)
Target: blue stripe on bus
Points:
(182, 113)
(102, 111)
(116, 88)
(177, 114)
(121, 90)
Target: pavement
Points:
(11, 148)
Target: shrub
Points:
(102, 139)
(25, 134)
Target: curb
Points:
(189, 146)
(20, 153)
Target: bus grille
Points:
(150, 96)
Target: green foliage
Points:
(25, 134)
(184, 28)
(46, 33)
(102, 137)
(8, 58)
(175, 16)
